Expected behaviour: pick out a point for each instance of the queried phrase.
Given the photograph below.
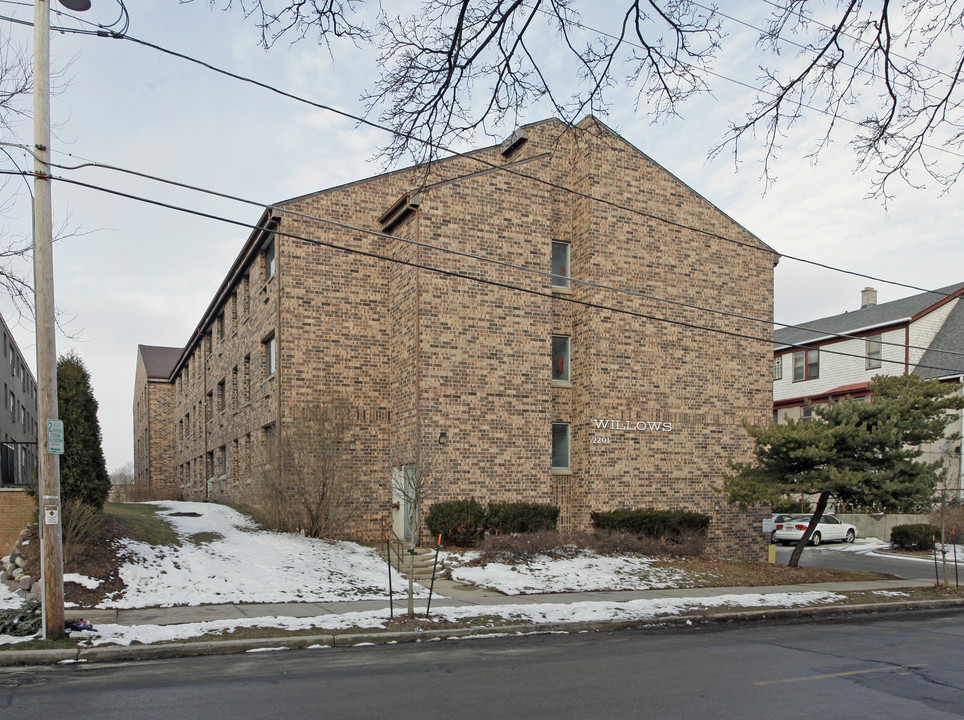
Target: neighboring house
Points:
(18, 417)
(524, 386)
(838, 356)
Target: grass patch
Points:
(204, 537)
(41, 644)
(144, 522)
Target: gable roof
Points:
(889, 313)
(936, 361)
(159, 362)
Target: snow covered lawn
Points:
(245, 565)
(586, 572)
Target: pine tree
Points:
(862, 453)
(83, 470)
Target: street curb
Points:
(123, 653)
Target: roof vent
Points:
(514, 142)
(868, 298)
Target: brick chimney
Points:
(868, 297)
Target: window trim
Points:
(874, 351)
(778, 367)
(566, 274)
(807, 364)
(567, 468)
(566, 360)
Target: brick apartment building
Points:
(483, 314)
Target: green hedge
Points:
(914, 537)
(791, 507)
(520, 517)
(652, 523)
(459, 522)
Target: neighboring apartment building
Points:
(838, 356)
(546, 385)
(18, 417)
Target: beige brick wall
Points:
(419, 353)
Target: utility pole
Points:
(49, 463)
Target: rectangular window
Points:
(560, 446)
(560, 358)
(560, 265)
(222, 461)
(207, 343)
(221, 397)
(778, 368)
(807, 413)
(234, 388)
(806, 365)
(874, 352)
(245, 294)
(234, 313)
(220, 328)
(210, 464)
(210, 404)
(13, 405)
(270, 356)
(270, 262)
(246, 392)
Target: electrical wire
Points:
(469, 277)
(479, 258)
(437, 146)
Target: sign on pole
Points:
(55, 437)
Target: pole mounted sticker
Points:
(55, 437)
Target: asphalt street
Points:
(852, 558)
(898, 667)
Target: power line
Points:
(480, 258)
(438, 146)
(466, 276)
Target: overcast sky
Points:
(136, 274)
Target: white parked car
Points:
(828, 529)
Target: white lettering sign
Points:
(640, 426)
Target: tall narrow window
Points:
(560, 358)
(874, 352)
(234, 388)
(560, 265)
(560, 446)
(245, 294)
(778, 367)
(270, 261)
(246, 390)
(270, 356)
(221, 397)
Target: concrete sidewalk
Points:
(448, 594)
(453, 594)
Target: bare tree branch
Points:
(887, 73)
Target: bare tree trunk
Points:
(411, 580)
(814, 519)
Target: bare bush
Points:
(302, 480)
(523, 547)
(80, 525)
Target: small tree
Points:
(303, 480)
(863, 453)
(415, 479)
(83, 471)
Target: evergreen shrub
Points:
(652, 523)
(459, 522)
(520, 517)
(914, 537)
